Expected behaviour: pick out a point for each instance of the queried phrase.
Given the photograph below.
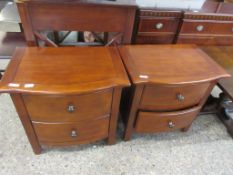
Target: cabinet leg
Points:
(114, 116)
(133, 112)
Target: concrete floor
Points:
(206, 149)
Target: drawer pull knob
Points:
(71, 108)
(159, 26)
(200, 28)
(180, 97)
(171, 124)
(73, 133)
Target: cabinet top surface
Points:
(64, 70)
(170, 64)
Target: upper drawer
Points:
(158, 25)
(208, 27)
(52, 108)
(167, 98)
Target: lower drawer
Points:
(72, 133)
(205, 40)
(155, 39)
(165, 121)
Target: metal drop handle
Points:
(200, 28)
(71, 108)
(74, 133)
(180, 97)
(159, 26)
(171, 124)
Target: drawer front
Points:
(203, 40)
(155, 39)
(165, 98)
(52, 108)
(216, 28)
(158, 25)
(165, 121)
(72, 133)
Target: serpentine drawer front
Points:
(66, 95)
(171, 84)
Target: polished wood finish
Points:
(167, 98)
(51, 108)
(161, 72)
(148, 122)
(61, 133)
(62, 91)
(36, 16)
(159, 63)
(80, 68)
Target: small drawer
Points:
(158, 25)
(72, 133)
(155, 39)
(70, 108)
(165, 121)
(167, 98)
(199, 27)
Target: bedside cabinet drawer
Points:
(70, 108)
(216, 27)
(165, 98)
(165, 121)
(158, 25)
(72, 133)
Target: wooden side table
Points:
(66, 96)
(170, 85)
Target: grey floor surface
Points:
(206, 149)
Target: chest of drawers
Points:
(170, 85)
(66, 96)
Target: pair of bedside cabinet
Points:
(69, 95)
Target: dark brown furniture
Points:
(223, 55)
(45, 15)
(170, 85)
(66, 96)
(212, 24)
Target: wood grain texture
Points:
(169, 64)
(61, 133)
(159, 122)
(50, 70)
(52, 108)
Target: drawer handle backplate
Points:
(159, 26)
(200, 28)
(74, 133)
(171, 124)
(180, 97)
(71, 108)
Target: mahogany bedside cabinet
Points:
(170, 85)
(66, 96)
